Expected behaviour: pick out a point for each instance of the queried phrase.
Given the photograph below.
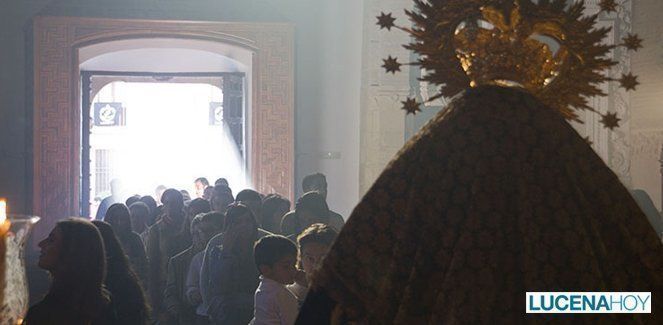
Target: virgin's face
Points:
(50, 250)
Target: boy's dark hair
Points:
(198, 206)
(317, 233)
(270, 249)
(248, 195)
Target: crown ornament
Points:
(551, 50)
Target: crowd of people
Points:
(218, 258)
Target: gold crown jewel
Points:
(547, 47)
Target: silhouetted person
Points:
(208, 192)
(233, 276)
(140, 215)
(274, 207)
(221, 197)
(193, 293)
(310, 208)
(129, 302)
(195, 207)
(252, 200)
(318, 182)
(179, 310)
(115, 187)
(165, 240)
(73, 253)
(221, 181)
(201, 183)
(155, 211)
(119, 217)
(132, 199)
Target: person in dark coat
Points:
(119, 218)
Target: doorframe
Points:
(57, 100)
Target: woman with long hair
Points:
(118, 217)
(73, 253)
(129, 301)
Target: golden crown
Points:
(548, 48)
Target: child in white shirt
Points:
(275, 257)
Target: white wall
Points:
(337, 105)
(647, 100)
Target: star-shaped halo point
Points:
(629, 81)
(608, 6)
(385, 21)
(610, 120)
(411, 106)
(632, 42)
(391, 65)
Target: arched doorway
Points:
(57, 100)
(184, 98)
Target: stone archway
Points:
(57, 113)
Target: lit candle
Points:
(3, 211)
(4, 229)
(4, 222)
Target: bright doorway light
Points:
(164, 137)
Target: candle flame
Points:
(3, 211)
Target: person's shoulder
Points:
(289, 215)
(335, 215)
(284, 295)
(336, 221)
(288, 223)
(183, 255)
(156, 226)
(264, 233)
